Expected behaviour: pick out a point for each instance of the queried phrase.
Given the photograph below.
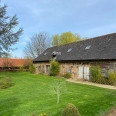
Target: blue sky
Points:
(88, 18)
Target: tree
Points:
(27, 63)
(31, 68)
(54, 68)
(37, 44)
(55, 40)
(8, 36)
(58, 88)
(64, 38)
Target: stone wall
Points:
(106, 66)
(40, 68)
(73, 68)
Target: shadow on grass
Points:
(111, 112)
(97, 107)
(7, 106)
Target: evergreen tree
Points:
(8, 36)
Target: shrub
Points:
(21, 69)
(44, 114)
(95, 74)
(70, 110)
(31, 68)
(67, 75)
(27, 63)
(112, 77)
(54, 68)
(98, 78)
(5, 82)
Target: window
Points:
(47, 69)
(68, 70)
(54, 53)
(88, 47)
(39, 68)
(45, 53)
(69, 49)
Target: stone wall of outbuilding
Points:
(73, 67)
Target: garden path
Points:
(93, 84)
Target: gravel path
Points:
(90, 83)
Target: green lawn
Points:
(30, 93)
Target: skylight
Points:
(69, 49)
(56, 53)
(45, 53)
(88, 47)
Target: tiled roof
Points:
(12, 62)
(98, 48)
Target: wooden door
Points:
(86, 72)
(80, 72)
(83, 72)
(47, 69)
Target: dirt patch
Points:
(112, 112)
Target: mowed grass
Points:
(30, 94)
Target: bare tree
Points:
(37, 44)
(58, 88)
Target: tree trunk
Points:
(58, 98)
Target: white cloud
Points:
(37, 11)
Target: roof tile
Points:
(102, 47)
(13, 62)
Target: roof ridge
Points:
(104, 35)
(15, 58)
(82, 40)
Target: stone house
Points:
(77, 57)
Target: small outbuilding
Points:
(77, 57)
